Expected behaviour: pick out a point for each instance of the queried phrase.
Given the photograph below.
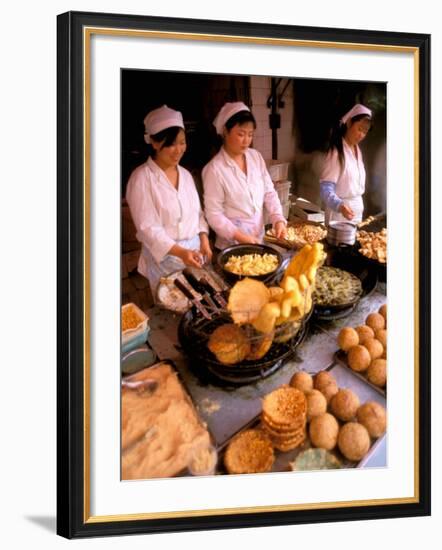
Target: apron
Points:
(350, 187)
(153, 270)
(250, 225)
(355, 203)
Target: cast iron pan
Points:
(242, 250)
(348, 259)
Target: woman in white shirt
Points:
(342, 180)
(164, 203)
(237, 185)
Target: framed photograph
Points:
(159, 428)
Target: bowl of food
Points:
(257, 261)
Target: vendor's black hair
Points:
(338, 133)
(168, 135)
(242, 117)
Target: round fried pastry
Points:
(374, 347)
(282, 437)
(347, 338)
(316, 404)
(290, 444)
(322, 379)
(377, 372)
(344, 404)
(284, 405)
(324, 430)
(372, 415)
(249, 452)
(302, 381)
(326, 384)
(364, 333)
(381, 335)
(275, 432)
(375, 321)
(246, 298)
(353, 441)
(358, 358)
(284, 428)
(229, 343)
(383, 312)
(329, 391)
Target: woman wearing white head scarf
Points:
(237, 185)
(164, 203)
(342, 181)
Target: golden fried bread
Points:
(229, 343)
(249, 452)
(284, 406)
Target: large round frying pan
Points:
(348, 259)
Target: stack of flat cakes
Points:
(284, 417)
(250, 452)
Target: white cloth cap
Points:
(226, 112)
(356, 110)
(160, 119)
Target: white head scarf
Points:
(356, 110)
(160, 119)
(226, 112)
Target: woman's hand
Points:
(205, 249)
(346, 211)
(280, 230)
(192, 258)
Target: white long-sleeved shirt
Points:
(343, 184)
(235, 200)
(162, 214)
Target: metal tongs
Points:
(193, 299)
(213, 292)
(200, 288)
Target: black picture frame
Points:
(73, 519)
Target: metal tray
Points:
(345, 379)
(341, 358)
(134, 376)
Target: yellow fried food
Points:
(265, 322)
(290, 283)
(372, 415)
(246, 299)
(260, 346)
(353, 441)
(302, 381)
(229, 343)
(276, 293)
(295, 266)
(252, 264)
(249, 452)
(303, 282)
(347, 338)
